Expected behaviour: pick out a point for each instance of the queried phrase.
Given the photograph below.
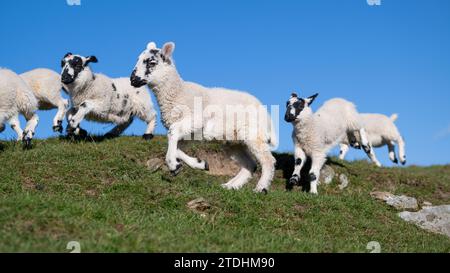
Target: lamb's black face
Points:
(73, 65)
(294, 107)
(149, 61)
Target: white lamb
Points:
(8, 91)
(315, 134)
(381, 131)
(24, 103)
(46, 86)
(185, 110)
(99, 98)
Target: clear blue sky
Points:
(389, 58)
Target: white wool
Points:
(172, 92)
(381, 131)
(24, 103)
(46, 86)
(110, 100)
(8, 91)
(315, 134)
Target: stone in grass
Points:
(326, 175)
(344, 181)
(154, 164)
(434, 219)
(199, 205)
(396, 201)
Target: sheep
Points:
(12, 85)
(8, 106)
(315, 134)
(46, 86)
(99, 98)
(185, 110)
(381, 131)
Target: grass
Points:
(102, 195)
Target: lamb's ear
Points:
(311, 99)
(167, 49)
(151, 45)
(294, 95)
(91, 59)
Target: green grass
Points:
(102, 195)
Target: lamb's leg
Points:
(392, 156)
(119, 129)
(192, 162)
(74, 119)
(344, 150)
(316, 166)
(29, 131)
(300, 159)
(63, 105)
(150, 118)
(173, 136)
(243, 158)
(261, 151)
(14, 122)
(401, 150)
(367, 147)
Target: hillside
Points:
(101, 194)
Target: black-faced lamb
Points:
(189, 108)
(97, 97)
(315, 134)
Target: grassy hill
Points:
(102, 195)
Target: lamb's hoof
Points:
(395, 161)
(206, 166)
(289, 186)
(403, 163)
(83, 133)
(177, 170)
(294, 181)
(263, 191)
(57, 129)
(147, 136)
(26, 143)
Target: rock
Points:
(426, 204)
(199, 205)
(434, 219)
(396, 201)
(344, 181)
(326, 175)
(154, 164)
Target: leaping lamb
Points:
(381, 131)
(189, 108)
(315, 134)
(99, 98)
(16, 95)
(46, 86)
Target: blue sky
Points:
(392, 58)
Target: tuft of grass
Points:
(102, 195)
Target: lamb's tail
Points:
(394, 117)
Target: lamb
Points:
(99, 98)
(315, 134)
(8, 93)
(381, 131)
(46, 86)
(17, 97)
(185, 110)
